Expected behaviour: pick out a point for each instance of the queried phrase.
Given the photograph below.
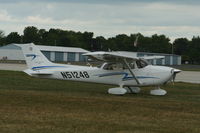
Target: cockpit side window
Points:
(117, 66)
(132, 65)
(141, 63)
(108, 67)
(113, 66)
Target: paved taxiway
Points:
(188, 76)
(184, 76)
(12, 66)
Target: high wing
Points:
(111, 56)
(115, 57)
(118, 56)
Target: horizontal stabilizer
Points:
(39, 72)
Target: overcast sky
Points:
(174, 18)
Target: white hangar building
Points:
(53, 53)
(72, 54)
(169, 59)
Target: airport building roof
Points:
(150, 54)
(48, 48)
(61, 49)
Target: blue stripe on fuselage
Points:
(126, 77)
(44, 67)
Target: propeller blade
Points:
(174, 72)
(173, 76)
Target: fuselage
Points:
(147, 76)
(119, 68)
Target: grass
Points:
(30, 105)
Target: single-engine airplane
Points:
(119, 68)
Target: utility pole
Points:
(172, 56)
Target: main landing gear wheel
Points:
(134, 90)
(158, 92)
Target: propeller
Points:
(174, 72)
(173, 78)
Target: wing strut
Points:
(131, 72)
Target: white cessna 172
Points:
(120, 68)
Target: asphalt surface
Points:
(12, 66)
(184, 76)
(188, 76)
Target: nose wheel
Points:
(158, 92)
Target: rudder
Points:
(34, 56)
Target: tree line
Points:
(188, 49)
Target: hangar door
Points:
(71, 56)
(59, 56)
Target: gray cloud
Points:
(104, 1)
(173, 18)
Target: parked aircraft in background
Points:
(119, 68)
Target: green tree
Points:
(181, 46)
(123, 42)
(13, 37)
(99, 43)
(51, 37)
(194, 48)
(31, 35)
(42, 34)
(2, 38)
(159, 44)
(87, 38)
(66, 39)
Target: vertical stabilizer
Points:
(34, 56)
